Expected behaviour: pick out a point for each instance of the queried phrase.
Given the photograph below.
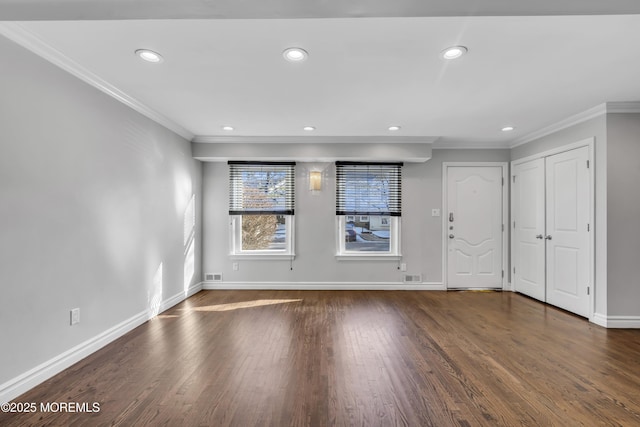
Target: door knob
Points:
(451, 236)
(540, 236)
(548, 237)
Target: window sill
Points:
(263, 256)
(368, 257)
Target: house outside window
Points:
(368, 209)
(261, 208)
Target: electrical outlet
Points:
(236, 266)
(75, 316)
(403, 267)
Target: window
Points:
(368, 208)
(261, 207)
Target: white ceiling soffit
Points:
(317, 151)
(24, 10)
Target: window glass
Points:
(264, 232)
(364, 233)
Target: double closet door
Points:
(551, 258)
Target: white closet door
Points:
(567, 236)
(529, 229)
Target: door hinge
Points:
(503, 181)
(503, 228)
(514, 179)
(587, 164)
(514, 270)
(588, 290)
(588, 227)
(503, 274)
(514, 225)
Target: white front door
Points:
(567, 234)
(528, 210)
(474, 226)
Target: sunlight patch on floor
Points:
(167, 316)
(243, 304)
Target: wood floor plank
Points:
(353, 358)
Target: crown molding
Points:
(313, 139)
(30, 41)
(591, 113)
(469, 145)
(623, 107)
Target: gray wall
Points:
(623, 204)
(315, 233)
(92, 198)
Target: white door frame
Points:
(505, 213)
(590, 143)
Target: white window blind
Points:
(261, 188)
(368, 188)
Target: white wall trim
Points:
(26, 381)
(598, 110)
(619, 322)
(591, 113)
(329, 286)
(623, 107)
(470, 145)
(35, 44)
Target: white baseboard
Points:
(329, 286)
(618, 322)
(26, 381)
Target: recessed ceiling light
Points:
(454, 52)
(309, 128)
(295, 54)
(507, 129)
(394, 128)
(149, 55)
(228, 128)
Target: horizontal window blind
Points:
(261, 188)
(368, 188)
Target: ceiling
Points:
(369, 67)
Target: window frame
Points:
(394, 252)
(235, 237)
(236, 213)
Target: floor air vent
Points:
(412, 278)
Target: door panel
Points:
(474, 243)
(529, 218)
(567, 240)
(486, 263)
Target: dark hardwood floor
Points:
(361, 358)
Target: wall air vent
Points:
(413, 278)
(213, 277)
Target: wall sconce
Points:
(315, 180)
